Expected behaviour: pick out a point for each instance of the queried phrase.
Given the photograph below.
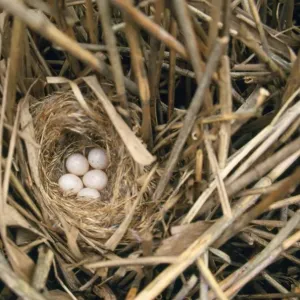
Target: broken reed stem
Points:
(8, 169)
(285, 202)
(261, 207)
(186, 26)
(220, 183)
(154, 61)
(199, 165)
(42, 269)
(226, 9)
(16, 52)
(203, 283)
(259, 26)
(150, 26)
(263, 255)
(264, 264)
(226, 108)
(210, 279)
(137, 62)
(269, 296)
(215, 12)
(246, 37)
(114, 56)
(172, 64)
(254, 101)
(90, 21)
(186, 288)
(261, 169)
(276, 131)
(190, 117)
(152, 260)
(293, 81)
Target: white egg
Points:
(98, 159)
(89, 193)
(77, 164)
(95, 179)
(70, 183)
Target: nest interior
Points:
(62, 127)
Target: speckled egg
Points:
(70, 183)
(95, 179)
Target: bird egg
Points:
(77, 164)
(98, 159)
(89, 193)
(95, 179)
(70, 183)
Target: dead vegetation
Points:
(197, 104)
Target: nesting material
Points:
(62, 128)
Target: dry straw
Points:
(62, 127)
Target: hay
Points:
(211, 89)
(62, 128)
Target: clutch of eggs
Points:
(93, 180)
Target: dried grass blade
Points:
(114, 240)
(18, 285)
(7, 171)
(43, 265)
(32, 152)
(135, 147)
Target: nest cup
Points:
(62, 127)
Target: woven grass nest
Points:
(62, 127)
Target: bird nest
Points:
(63, 127)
